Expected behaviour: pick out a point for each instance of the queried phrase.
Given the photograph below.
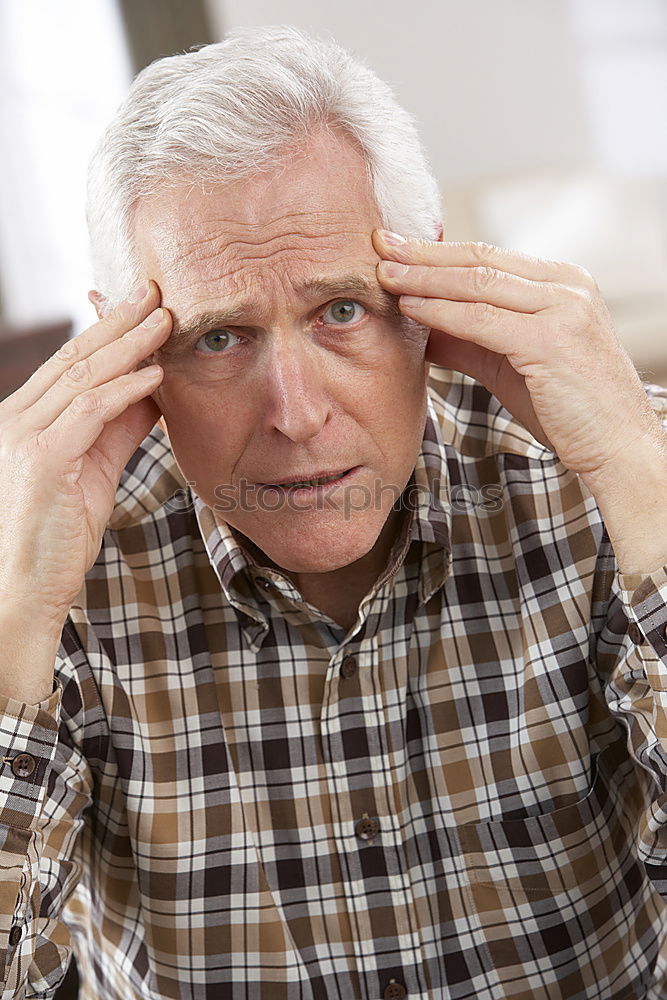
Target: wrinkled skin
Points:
(297, 388)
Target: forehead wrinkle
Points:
(309, 224)
(217, 244)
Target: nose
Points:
(297, 401)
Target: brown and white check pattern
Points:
(473, 806)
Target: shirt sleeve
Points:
(45, 786)
(629, 618)
(635, 634)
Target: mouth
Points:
(303, 484)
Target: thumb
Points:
(122, 436)
(494, 372)
(462, 356)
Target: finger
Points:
(77, 429)
(468, 284)
(117, 358)
(452, 254)
(124, 317)
(510, 333)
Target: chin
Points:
(318, 554)
(317, 562)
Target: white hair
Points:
(230, 110)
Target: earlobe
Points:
(439, 233)
(98, 301)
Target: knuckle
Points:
(88, 404)
(483, 278)
(482, 251)
(67, 353)
(480, 313)
(414, 250)
(582, 304)
(584, 277)
(79, 372)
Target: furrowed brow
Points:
(214, 319)
(234, 312)
(348, 285)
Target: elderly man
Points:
(356, 597)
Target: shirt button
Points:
(15, 935)
(348, 667)
(367, 828)
(24, 765)
(635, 633)
(264, 583)
(395, 991)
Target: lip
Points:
(285, 485)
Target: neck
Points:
(339, 592)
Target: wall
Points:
(494, 85)
(543, 122)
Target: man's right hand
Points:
(65, 438)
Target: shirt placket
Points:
(366, 813)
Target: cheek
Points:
(399, 362)
(390, 396)
(380, 376)
(207, 425)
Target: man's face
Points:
(281, 366)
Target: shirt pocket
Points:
(561, 901)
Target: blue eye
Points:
(218, 341)
(343, 311)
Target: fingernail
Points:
(153, 319)
(138, 293)
(392, 238)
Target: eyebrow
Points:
(317, 288)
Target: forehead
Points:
(315, 212)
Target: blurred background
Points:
(544, 121)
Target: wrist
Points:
(631, 494)
(33, 614)
(27, 654)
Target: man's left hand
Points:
(538, 335)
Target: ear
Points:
(98, 301)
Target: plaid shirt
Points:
(227, 796)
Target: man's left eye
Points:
(343, 311)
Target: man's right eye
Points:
(218, 341)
